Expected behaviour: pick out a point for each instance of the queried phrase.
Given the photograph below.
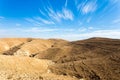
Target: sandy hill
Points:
(7, 43)
(91, 59)
(26, 68)
(27, 46)
(35, 46)
(83, 49)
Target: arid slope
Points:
(90, 59)
(26, 68)
(7, 43)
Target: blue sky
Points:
(66, 19)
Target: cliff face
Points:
(90, 59)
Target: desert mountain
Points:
(27, 46)
(90, 59)
(36, 46)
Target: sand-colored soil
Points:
(56, 59)
(7, 43)
(26, 68)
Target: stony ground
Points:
(26, 68)
(56, 59)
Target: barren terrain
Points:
(56, 59)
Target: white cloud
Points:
(39, 21)
(36, 30)
(67, 14)
(1, 17)
(89, 19)
(44, 21)
(2, 31)
(87, 6)
(66, 2)
(47, 22)
(116, 21)
(76, 1)
(59, 15)
(68, 34)
(114, 1)
(82, 29)
(79, 22)
(34, 22)
(50, 16)
(85, 29)
(17, 24)
(90, 28)
(97, 33)
(67, 30)
(42, 12)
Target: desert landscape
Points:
(56, 59)
(59, 39)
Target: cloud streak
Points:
(32, 21)
(17, 24)
(87, 7)
(1, 17)
(52, 16)
(96, 33)
(65, 14)
(66, 2)
(114, 1)
(44, 21)
(116, 21)
(37, 30)
(68, 34)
